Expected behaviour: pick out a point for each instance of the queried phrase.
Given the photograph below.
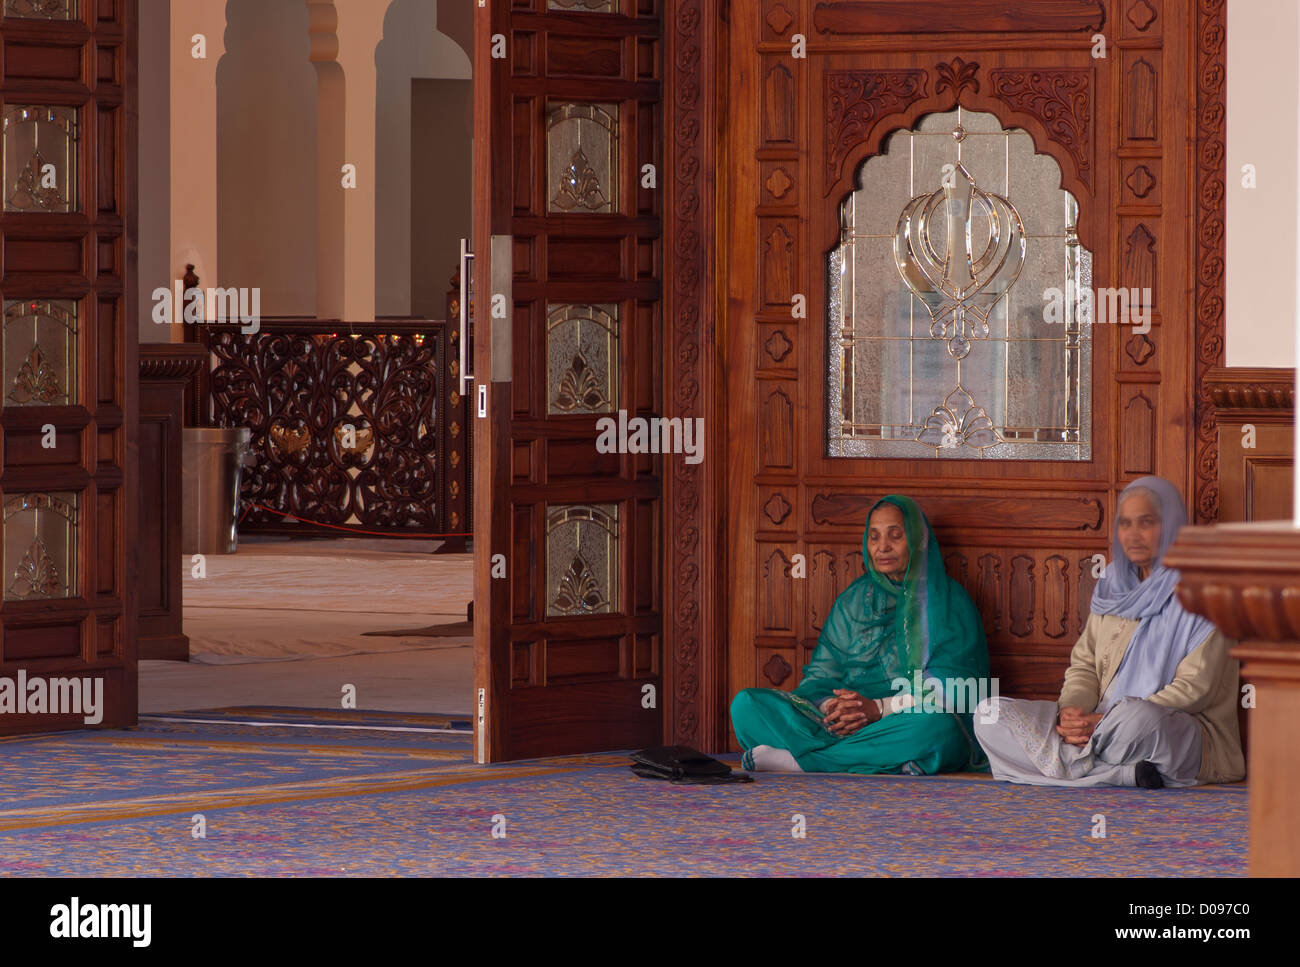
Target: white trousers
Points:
(1022, 744)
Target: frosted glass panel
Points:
(943, 339)
(582, 358)
(42, 9)
(582, 157)
(582, 559)
(40, 540)
(40, 158)
(39, 353)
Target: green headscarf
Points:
(881, 630)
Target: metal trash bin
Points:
(211, 463)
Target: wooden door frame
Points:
(696, 579)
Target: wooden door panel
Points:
(68, 608)
(1020, 535)
(568, 647)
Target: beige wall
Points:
(231, 177)
(154, 249)
(1263, 97)
(413, 49)
(266, 156)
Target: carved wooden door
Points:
(69, 412)
(830, 409)
(566, 308)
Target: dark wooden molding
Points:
(1246, 579)
(166, 370)
(1243, 577)
(171, 360)
(910, 17)
(693, 504)
(1046, 513)
(1211, 194)
(1244, 391)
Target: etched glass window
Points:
(40, 546)
(40, 158)
(41, 9)
(38, 354)
(582, 157)
(582, 550)
(958, 318)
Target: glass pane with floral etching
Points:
(40, 546)
(582, 547)
(40, 158)
(582, 157)
(39, 354)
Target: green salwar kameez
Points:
(879, 633)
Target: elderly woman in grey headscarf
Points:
(1150, 697)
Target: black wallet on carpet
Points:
(681, 763)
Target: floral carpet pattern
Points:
(299, 792)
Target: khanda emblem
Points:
(982, 255)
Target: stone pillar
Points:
(194, 140)
(343, 40)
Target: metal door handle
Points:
(466, 256)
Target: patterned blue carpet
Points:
(288, 792)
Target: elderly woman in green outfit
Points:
(857, 708)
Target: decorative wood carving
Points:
(696, 703)
(1211, 110)
(777, 670)
(777, 509)
(295, 392)
(1087, 584)
(1051, 513)
(1140, 181)
(956, 76)
(944, 16)
(1142, 101)
(1141, 14)
(1021, 595)
(1056, 596)
(776, 435)
(778, 183)
(988, 596)
(778, 105)
(779, 263)
(779, 19)
(777, 593)
(778, 346)
(1061, 99)
(1244, 578)
(856, 100)
(1139, 435)
(1244, 391)
(955, 564)
(1139, 349)
(1140, 260)
(824, 586)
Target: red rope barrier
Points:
(346, 530)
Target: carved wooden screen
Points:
(69, 416)
(567, 537)
(1019, 534)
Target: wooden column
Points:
(1254, 412)
(1246, 579)
(165, 370)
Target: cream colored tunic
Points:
(1205, 686)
